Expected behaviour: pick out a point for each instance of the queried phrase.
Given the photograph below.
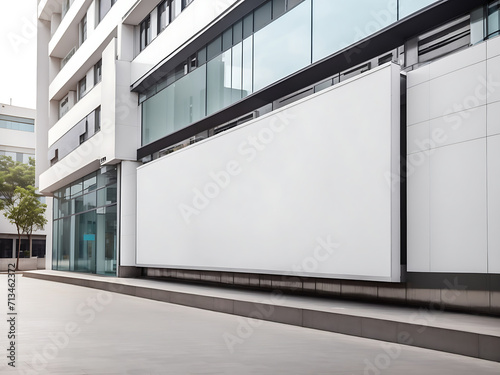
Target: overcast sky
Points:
(18, 52)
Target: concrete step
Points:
(431, 328)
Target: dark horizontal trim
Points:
(466, 281)
(385, 40)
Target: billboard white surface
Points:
(306, 190)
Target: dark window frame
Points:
(145, 32)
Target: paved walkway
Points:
(67, 329)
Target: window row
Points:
(93, 191)
(159, 19)
(17, 123)
(18, 156)
(9, 248)
(74, 137)
(87, 83)
(275, 40)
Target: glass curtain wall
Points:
(275, 40)
(85, 225)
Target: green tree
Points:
(14, 174)
(26, 212)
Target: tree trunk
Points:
(31, 245)
(18, 249)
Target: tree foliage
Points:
(14, 174)
(26, 212)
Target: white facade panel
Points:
(418, 138)
(456, 91)
(418, 225)
(493, 79)
(418, 103)
(454, 208)
(458, 127)
(128, 204)
(418, 76)
(493, 118)
(458, 208)
(458, 60)
(305, 190)
(493, 47)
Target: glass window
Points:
(237, 73)
(6, 248)
(145, 36)
(65, 245)
(237, 32)
(248, 25)
(89, 201)
(98, 72)
(17, 125)
(164, 15)
(106, 235)
(106, 196)
(154, 117)
(104, 7)
(219, 82)
(85, 242)
(185, 3)
(262, 16)
(82, 88)
(293, 3)
(76, 189)
(189, 98)
(247, 79)
(227, 39)
(83, 29)
(105, 179)
(79, 242)
(90, 183)
(78, 202)
(55, 208)
(175, 107)
(279, 8)
(335, 28)
(279, 48)
(65, 7)
(493, 19)
(97, 119)
(214, 48)
(407, 7)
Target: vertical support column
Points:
(127, 216)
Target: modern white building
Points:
(344, 148)
(17, 140)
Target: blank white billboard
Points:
(310, 189)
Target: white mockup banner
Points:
(311, 189)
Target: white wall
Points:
(453, 152)
(128, 208)
(276, 189)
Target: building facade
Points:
(347, 149)
(17, 140)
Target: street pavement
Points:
(65, 329)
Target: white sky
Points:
(18, 52)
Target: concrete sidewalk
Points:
(73, 330)
(468, 335)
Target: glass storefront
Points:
(85, 225)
